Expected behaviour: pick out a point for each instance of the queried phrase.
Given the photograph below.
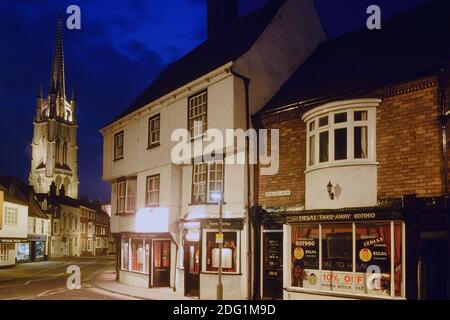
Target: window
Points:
(126, 195)
(4, 252)
(338, 257)
(154, 131)
(11, 216)
(229, 252)
(197, 114)
(137, 255)
(125, 252)
(34, 225)
(341, 135)
(118, 146)
(207, 180)
(153, 191)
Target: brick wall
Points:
(408, 146)
(409, 143)
(291, 174)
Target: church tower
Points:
(54, 145)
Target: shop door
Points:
(161, 263)
(192, 269)
(435, 269)
(273, 265)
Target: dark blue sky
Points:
(122, 46)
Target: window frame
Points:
(147, 191)
(151, 143)
(330, 110)
(207, 182)
(116, 146)
(354, 225)
(126, 197)
(205, 247)
(11, 216)
(191, 119)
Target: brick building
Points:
(362, 184)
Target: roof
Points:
(21, 193)
(67, 201)
(208, 56)
(408, 45)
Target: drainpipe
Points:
(442, 81)
(247, 146)
(443, 120)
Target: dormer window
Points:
(341, 132)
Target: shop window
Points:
(125, 254)
(229, 252)
(305, 256)
(137, 255)
(335, 266)
(4, 252)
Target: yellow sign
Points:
(365, 255)
(299, 253)
(219, 238)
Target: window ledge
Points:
(118, 159)
(345, 163)
(153, 146)
(223, 273)
(125, 214)
(340, 294)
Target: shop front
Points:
(349, 254)
(9, 249)
(147, 259)
(201, 251)
(37, 247)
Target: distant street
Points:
(47, 280)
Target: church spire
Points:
(57, 76)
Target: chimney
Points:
(221, 14)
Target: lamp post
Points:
(219, 197)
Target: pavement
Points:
(47, 280)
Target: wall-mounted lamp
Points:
(330, 190)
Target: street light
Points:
(218, 196)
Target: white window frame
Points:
(154, 131)
(129, 200)
(198, 114)
(119, 146)
(153, 187)
(11, 216)
(207, 169)
(330, 110)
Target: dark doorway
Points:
(161, 263)
(192, 269)
(435, 269)
(273, 265)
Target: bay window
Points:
(126, 195)
(343, 257)
(341, 132)
(136, 255)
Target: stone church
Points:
(54, 145)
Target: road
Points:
(47, 280)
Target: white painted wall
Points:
(20, 230)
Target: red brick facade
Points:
(409, 146)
